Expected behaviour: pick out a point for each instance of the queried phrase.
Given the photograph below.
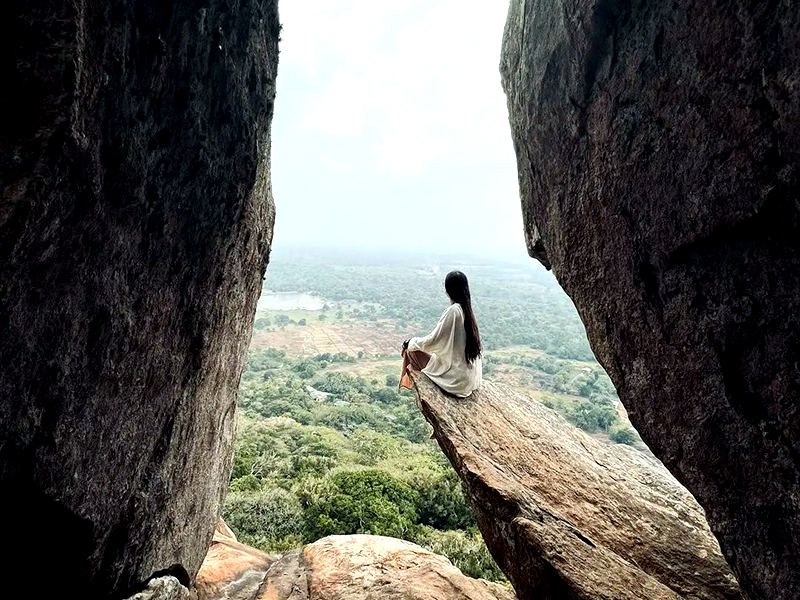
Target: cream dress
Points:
(448, 367)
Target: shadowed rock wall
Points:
(658, 147)
(135, 225)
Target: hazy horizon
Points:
(338, 254)
(391, 129)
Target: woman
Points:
(450, 354)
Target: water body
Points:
(289, 301)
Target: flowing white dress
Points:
(448, 367)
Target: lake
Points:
(289, 301)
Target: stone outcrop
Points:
(657, 147)
(135, 225)
(366, 567)
(346, 567)
(164, 588)
(231, 570)
(567, 516)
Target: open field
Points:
(373, 339)
(377, 368)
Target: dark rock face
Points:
(658, 149)
(135, 225)
(568, 517)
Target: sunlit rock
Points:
(567, 516)
(231, 571)
(367, 567)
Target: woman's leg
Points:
(418, 359)
(415, 360)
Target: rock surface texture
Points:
(369, 567)
(164, 588)
(570, 517)
(135, 225)
(230, 570)
(658, 147)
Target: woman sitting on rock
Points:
(450, 354)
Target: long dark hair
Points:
(457, 287)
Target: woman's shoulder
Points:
(455, 307)
(456, 313)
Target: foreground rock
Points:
(348, 567)
(231, 571)
(368, 567)
(135, 224)
(658, 150)
(164, 588)
(570, 517)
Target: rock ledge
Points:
(567, 516)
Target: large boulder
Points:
(135, 226)
(567, 516)
(657, 147)
(367, 567)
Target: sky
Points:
(391, 128)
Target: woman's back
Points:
(448, 366)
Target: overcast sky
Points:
(391, 127)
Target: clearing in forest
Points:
(373, 339)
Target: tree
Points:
(342, 384)
(466, 550)
(592, 417)
(282, 320)
(247, 483)
(561, 382)
(312, 457)
(262, 323)
(441, 503)
(368, 501)
(269, 520)
(306, 369)
(626, 435)
(386, 395)
(302, 321)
